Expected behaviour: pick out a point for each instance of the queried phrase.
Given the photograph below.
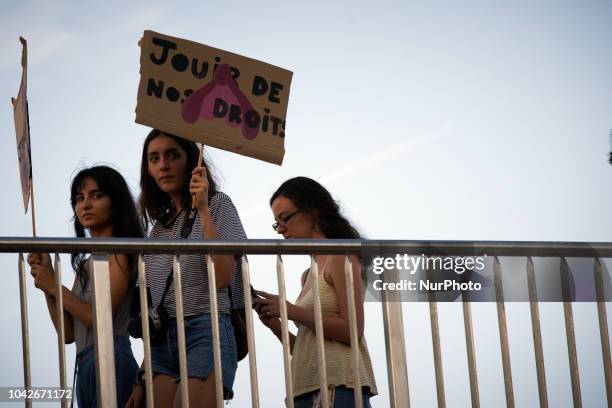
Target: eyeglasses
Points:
(283, 221)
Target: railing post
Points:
(469, 344)
(103, 331)
(282, 298)
(395, 344)
(435, 340)
(537, 333)
(146, 335)
(355, 343)
(214, 318)
(61, 335)
(569, 333)
(246, 279)
(25, 333)
(180, 331)
(603, 327)
(316, 297)
(503, 333)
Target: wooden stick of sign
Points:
(33, 212)
(31, 168)
(193, 199)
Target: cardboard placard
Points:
(213, 96)
(22, 129)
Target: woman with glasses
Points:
(303, 209)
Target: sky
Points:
(443, 120)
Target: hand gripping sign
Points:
(213, 96)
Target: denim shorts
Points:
(343, 398)
(199, 344)
(126, 369)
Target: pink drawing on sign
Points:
(201, 103)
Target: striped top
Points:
(305, 356)
(196, 299)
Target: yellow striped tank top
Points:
(305, 358)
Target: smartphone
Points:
(254, 296)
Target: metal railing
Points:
(391, 308)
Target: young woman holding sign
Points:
(102, 204)
(170, 179)
(303, 209)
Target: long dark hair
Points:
(124, 218)
(155, 205)
(311, 197)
